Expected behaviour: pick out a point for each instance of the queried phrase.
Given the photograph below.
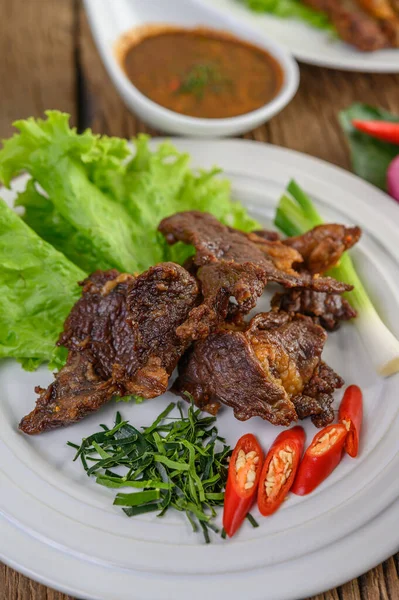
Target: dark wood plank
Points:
(381, 583)
(54, 64)
(37, 71)
(14, 586)
(309, 123)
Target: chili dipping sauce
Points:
(199, 72)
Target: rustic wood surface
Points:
(48, 60)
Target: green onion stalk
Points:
(295, 215)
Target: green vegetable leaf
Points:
(92, 200)
(133, 398)
(98, 207)
(133, 511)
(370, 157)
(63, 162)
(41, 215)
(168, 468)
(137, 498)
(291, 9)
(38, 287)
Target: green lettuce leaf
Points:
(38, 287)
(41, 215)
(370, 157)
(293, 9)
(60, 160)
(100, 205)
(89, 204)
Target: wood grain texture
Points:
(48, 59)
(37, 46)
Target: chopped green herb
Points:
(201, 77)
(138, 498)
(178, 463)
(253, 521)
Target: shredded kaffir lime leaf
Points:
(178, 463)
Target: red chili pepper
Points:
(320, 459)
(382, 130)
(351, 416)
(174, 84)
(242, 481)
(279, 469)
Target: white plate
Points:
(61, 528)
(311, 45)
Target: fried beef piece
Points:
(265, 234)
(158, 303)
(391, 29)
(262, 371)
(322, 247)
(270, 236)
(326, 310)
(395, 6)
(233, 269)
(383, 11)
(353, 24)
(316, 398)
(121, 338)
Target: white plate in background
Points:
(311, 45)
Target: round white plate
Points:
(60, 527)
(311, 45)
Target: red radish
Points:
(393, 178)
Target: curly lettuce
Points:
(38, 287)
(291, 9)
(90, 203)
(100, 205)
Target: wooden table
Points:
(48, 60)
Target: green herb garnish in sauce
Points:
(200, 78)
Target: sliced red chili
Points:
(174, 84)
(242, 482)
(320, 459)
(387, 131)
(279, 469)
(351, 415)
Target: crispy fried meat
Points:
(327, 310)
(233, 269)
(265, 370)
(353, 24)
(322, 247)
(316, 397)
(121, 338)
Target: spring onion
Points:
(295, 215)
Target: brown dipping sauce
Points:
(199, 72)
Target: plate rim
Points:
(384, 518)
(356, 61)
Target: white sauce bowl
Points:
(110, 20)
